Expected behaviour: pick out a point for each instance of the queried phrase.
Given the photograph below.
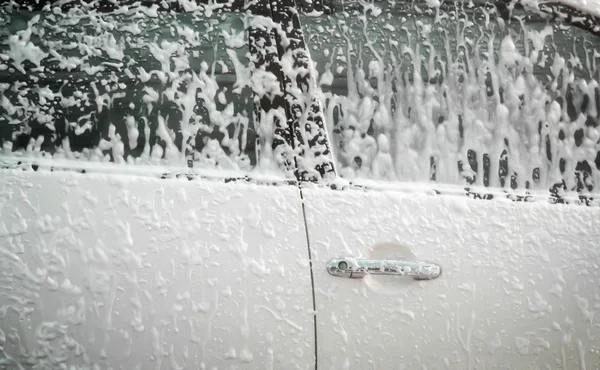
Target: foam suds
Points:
(458, 96)
(138, 85)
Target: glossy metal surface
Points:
(519, 285)
(129, 272)
(356, 268)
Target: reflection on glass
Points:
(136, 86)
(460, 94)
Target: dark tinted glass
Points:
(138, 83)
(458, 93)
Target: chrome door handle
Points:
(357, 268)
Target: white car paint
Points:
(112, 271)
(123, 272)
(519, 287)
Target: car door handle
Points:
(357, 268)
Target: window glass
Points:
(462, 93)
(138, 84)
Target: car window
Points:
(460, 93)
(151, 83)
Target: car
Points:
(331, 184)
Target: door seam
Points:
(312, 278)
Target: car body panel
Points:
(122, 272)
(519, 287)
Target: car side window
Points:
(163, 83)
(457, 93)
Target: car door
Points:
(149, 213)
(518, 289)
(457, 130)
